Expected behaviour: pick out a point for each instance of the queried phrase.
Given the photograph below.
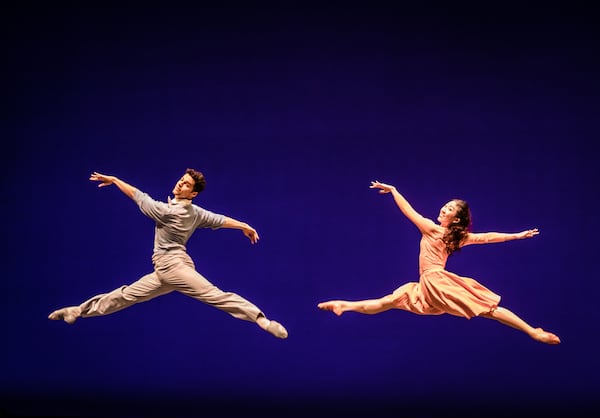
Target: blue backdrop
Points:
(290, 112)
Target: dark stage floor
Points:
(138, 408)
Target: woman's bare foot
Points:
(545, 337)
(335, 306)
(69, 315)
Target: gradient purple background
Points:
(290, 112)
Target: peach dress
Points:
(440, 291)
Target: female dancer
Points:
(438, 290)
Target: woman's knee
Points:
(389, 300)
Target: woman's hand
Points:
(528, 233)
(383, 188)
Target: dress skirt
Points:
(440, 291)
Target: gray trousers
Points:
(172, 272)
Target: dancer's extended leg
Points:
(507, 317)
(146, 288)
(367, 306)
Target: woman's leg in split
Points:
(507, 317)
(406, 297)
(366, 306)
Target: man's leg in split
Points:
(187, 280)
(146, 288)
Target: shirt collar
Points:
(182, 202)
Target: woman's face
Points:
(448, 214)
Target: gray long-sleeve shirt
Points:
(175, 221)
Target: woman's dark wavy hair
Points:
(457, 231)
(199, 180)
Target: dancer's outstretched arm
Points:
(246, 229)
(495, 237)
(424, 224)
(105, 180)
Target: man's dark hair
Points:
(199, 180)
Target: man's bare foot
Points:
(545, 337)
(335, 306)
(69, 315)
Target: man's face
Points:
(184, 188)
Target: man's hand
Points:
(105, 180)
(251, 234)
